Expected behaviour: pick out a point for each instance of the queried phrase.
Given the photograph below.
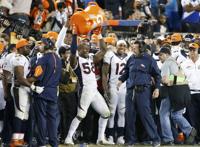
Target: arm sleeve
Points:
(155, 71)
(74, 44)
(125, 75)
(173, 68)
(61, 37)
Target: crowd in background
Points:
(165, 15)
(158, 104)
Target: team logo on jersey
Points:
(38, 71)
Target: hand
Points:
(37, 89)
(119, 83)
(165, 80)
(74, 29)
(155, 93)
(97, 30)
(107, 97)
(67, 23)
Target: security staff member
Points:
(47, 74)
(139, 70)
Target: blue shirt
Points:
(140, 70)
(48, 73)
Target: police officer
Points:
(47, 74)
(139, 70)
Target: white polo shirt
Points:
(192, 72)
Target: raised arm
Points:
(61, 36)
(73, 57)
(103, 49)
(105, 72)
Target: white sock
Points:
(102, 128)
(73, 127)
(1, 126)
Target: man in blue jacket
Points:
(47, 74)
(138, 74)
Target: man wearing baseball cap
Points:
(191, 68)
(173, 103)
(20, 91)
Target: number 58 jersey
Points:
(86, 72)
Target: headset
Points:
(48, 43)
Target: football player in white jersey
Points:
(7, 83)
(20, 91)
(83, 63)
(115, 64)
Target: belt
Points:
(24, 14)
(194, 90)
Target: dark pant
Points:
(46, 114)
(194, 111)
(141, 101)
(8, 121)
(143, 104)
(68, 103)
(130, 116)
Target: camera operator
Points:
(141, 10)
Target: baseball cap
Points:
(51, 34)
(21, 43)
(194, 46)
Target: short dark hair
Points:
(165, 50)
(142, 45)
(63, 49)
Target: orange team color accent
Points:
(38, 71)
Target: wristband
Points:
(100, 36)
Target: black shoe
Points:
(5, 145)
(167, 143)
(156, 144)
(190, 139)
(146, 143)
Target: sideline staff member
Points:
(139, 70)
(47, 74)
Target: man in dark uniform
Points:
(47, 74)
(138, 74)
